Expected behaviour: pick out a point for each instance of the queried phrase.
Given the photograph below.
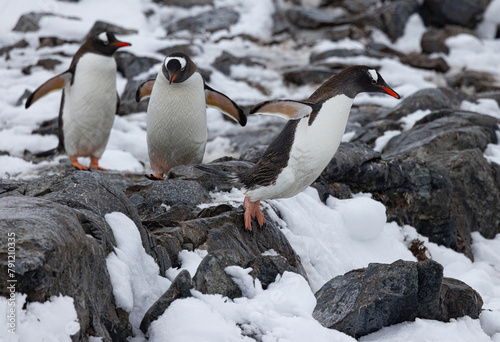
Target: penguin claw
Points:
(94, 164)
(75, 163)
(252, 210)
(156, 176)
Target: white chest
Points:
(176, 122)
(90, 104)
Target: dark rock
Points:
(424, 62)
(93, 196)
(47, 127)
(307, 75)
(471, 82)
(391, 17)
(459, 299)
(211, 277)
(446, 149)
(433, 40)
(429, 98)
(128, 104)
(188, 49)
(176, 192)
(47, 64)
(365, 300)
(349, 156)
(466, 13)
(412, 192)
(185, 3)
(471, 174)
(180, 288)
(445, 130)
(224, 62)
(102, 26)
(54, 41)
(267, 267)
(55, 257)
(130, 65)
(367, 134)
(372, 52)
(312, 18)
(23, 97)
(210, 21)
(30, 22)
(219, 230)
(20, 44)
(430, 277)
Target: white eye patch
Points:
(181, 60)
(103, 37)
(373, 74)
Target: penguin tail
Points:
(232, 177)
(49, 153)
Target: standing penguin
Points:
(176, 115)
(89, 99)
(309, 140)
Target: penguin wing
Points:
(55, 83)
(287, 109)
(228, 107)
(144, 90)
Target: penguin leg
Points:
(252, 209)
(75, 163)
(94, 164)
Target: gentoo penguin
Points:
(89, 99)
(176, 122)
(308, 141)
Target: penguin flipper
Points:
(55, 83)
(228, 107)
(144, 90)
(287, 109)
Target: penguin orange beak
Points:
(390, 92)
(121, 44)
(172, 78)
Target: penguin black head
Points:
(178, 67)
(361, 78)
(105, 43)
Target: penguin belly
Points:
(176, 123)
(312, 149)
(89, 106)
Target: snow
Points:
(53, 320)
(134, 274)
(382, 141)
(330, 239)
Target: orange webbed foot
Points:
(75, 163)
(94, 164)
(252, 209)
(156, 176)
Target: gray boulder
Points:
(55, 256)
(180, 288)
(365, 300)
(209, 21)
(466, 13)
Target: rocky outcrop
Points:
(365, 300)
(54, 255)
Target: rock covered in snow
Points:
(364, 300)
(55, 254)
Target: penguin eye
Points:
(374, 82)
